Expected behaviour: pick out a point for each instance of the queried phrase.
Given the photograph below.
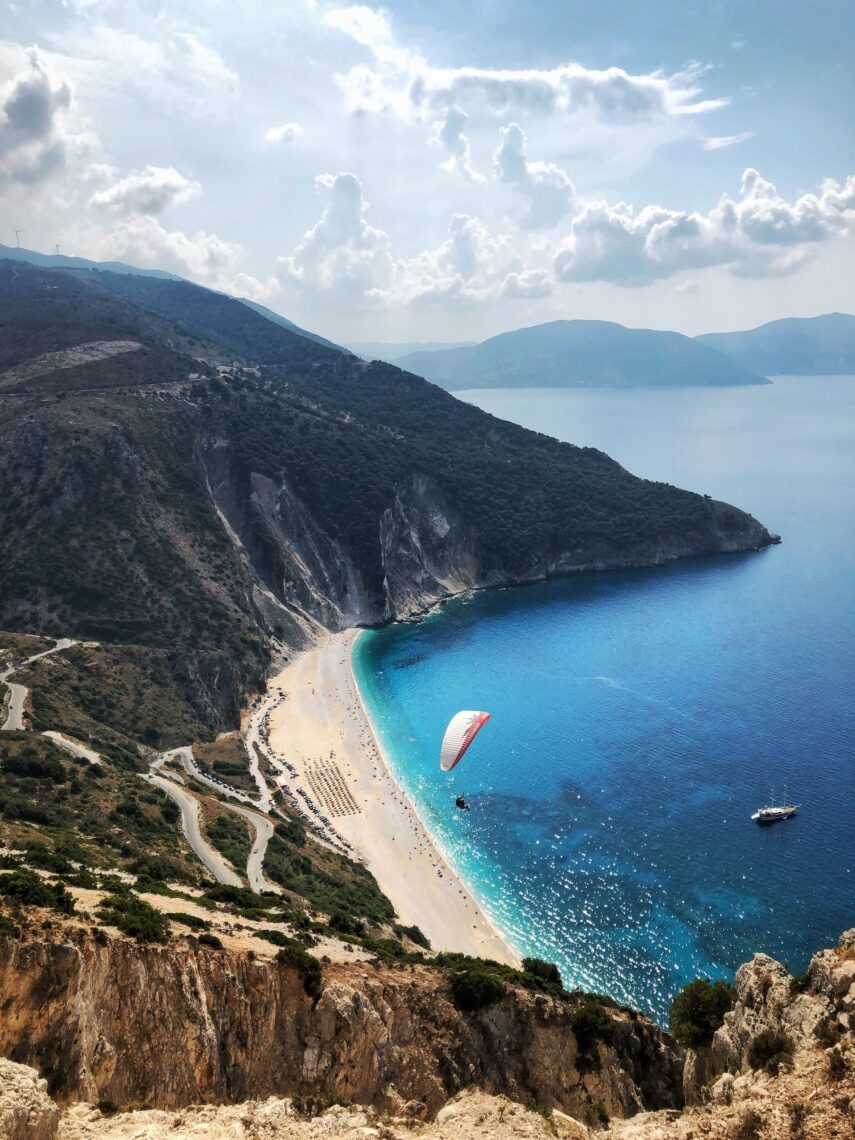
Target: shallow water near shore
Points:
(640, 717)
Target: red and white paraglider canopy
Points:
(462, 730)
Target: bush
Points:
(698, 1011)
(135, 917)
(7, 927)
(191, 920)
(591, 1024)
(37, 855)
(546, 971)
(800, 984)
(770, 1050)
(210, 940)
(414, 935)
(240, 897)
(274, 936)
(474, 987)
(347, 924)
(309, 968)
(29, 763)
(28, 888)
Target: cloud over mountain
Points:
(758, 234)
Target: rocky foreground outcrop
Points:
(390, 1044)
(167, 1026)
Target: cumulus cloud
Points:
(449, 134)
(402, 81)
(285, 133)
(148, 191)
(341, 252)
(719, 142)
(758, 234)
(550, 192)
(529, 283)
(143, 240)
(34, 138)
(470, 265)
(344, 254)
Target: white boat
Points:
(775, 813)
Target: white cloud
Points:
(403, 82)
(341, 252)
(175, 70)
(142, 240)
(34, 137)
(550, 192)
(759, 234)
(148, 191)
(719, 142)
(530, 283)
(285, 133)
(449, 134)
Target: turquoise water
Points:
(639, 718)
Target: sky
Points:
(438, 171)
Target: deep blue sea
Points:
(639, 718)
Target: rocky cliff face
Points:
(380, 1037)
(162, 1027)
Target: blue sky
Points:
(441, 171)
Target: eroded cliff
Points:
(110, 1020)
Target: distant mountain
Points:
(392, 352)
(60, 261)
(800, 346)
(580, 354)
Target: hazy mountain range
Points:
(575, 353)
(580, 354)
(801, 346)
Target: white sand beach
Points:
(321, 729)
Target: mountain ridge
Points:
(230, 482)
(806, 346)
(580, 354)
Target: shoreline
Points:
(322, 729)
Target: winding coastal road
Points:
(188, 763)
(73, 746)
(261, 825)
(189, 808)
(263, 828)
(18, 693)
(255, 743)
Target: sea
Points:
(639, 718)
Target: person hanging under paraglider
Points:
(462, 730)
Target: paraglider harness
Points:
(461, 803)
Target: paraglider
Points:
(461, 731)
